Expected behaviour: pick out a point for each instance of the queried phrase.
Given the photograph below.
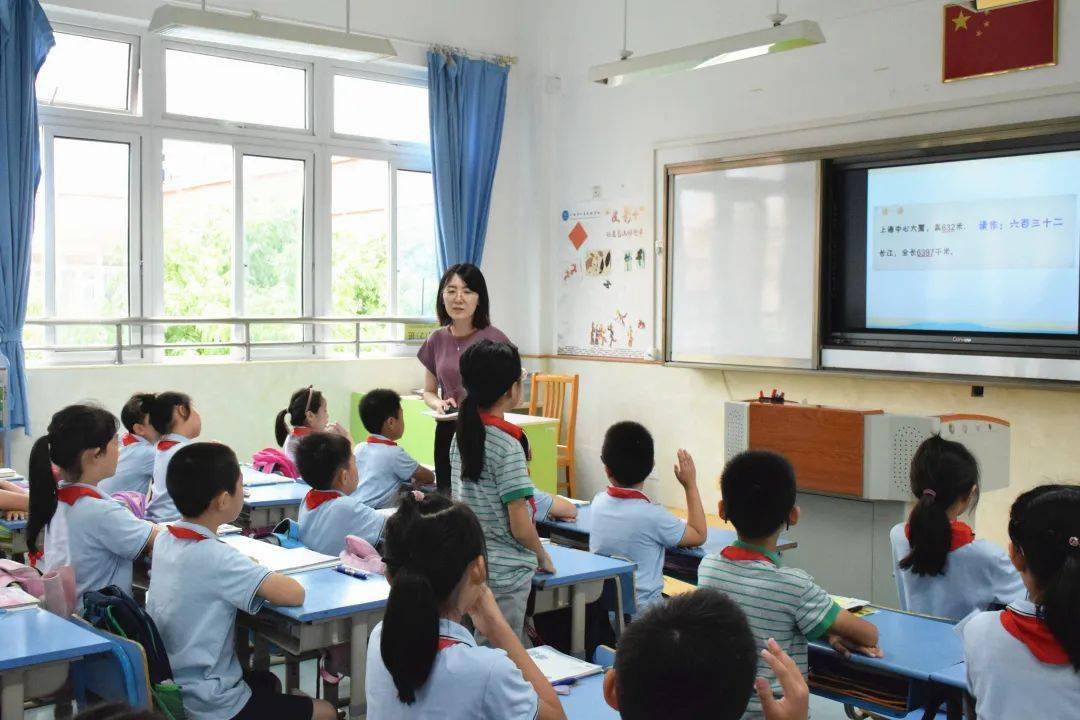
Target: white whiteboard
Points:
(743, 266)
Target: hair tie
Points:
(929, 493)
(1074, 542)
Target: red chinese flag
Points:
(1013, 37)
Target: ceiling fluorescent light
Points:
(714, 52)
(254, 33)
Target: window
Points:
(241, 91)
(417, 274)
(89, 71)
(375, 109)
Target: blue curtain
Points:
(25, 40)
(467, 102)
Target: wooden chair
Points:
(548, 399)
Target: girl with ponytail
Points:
(1024, 661)
(177, 422)
(490, 474)
(941, 569)
(307, 413)
(422, 661)
(82, 526)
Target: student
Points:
(488, 472)
(84, 528)
(551, 506)
(758, 490)
(196, 587)
(307, 414)
(694, 656)
(626, 523)
(178, 423)
(421, 660)
(14, 501)
(330, 510)
(942, 570)
(1024, 661)
(384, 466)
(135, 469)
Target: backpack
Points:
(113, 610)
(274, 462)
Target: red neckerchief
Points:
(166, 444)
(510, 429)
(627, 493)
(129, 439)
(445, 642)
(301, 431)
(962, 534)
(1036, 636)
(185, 533)
(380, 441)
(315, 498)
(740, 551)
(71, 494)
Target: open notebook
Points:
(279, 559)
(559, 667)
(254, 478)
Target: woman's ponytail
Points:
(42, 491)
(942, 472)
(72, 430)
(281, 432)
(488, 370)
(428, 545)
(1044, 525)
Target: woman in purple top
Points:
(462, 307)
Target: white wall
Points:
(881, 58)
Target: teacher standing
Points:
(463, 310)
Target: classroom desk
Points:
(586, 701)
(579, 580)
(267, 505)
(916, 649)
(679, 562)
(337, 609)
(419, 438)
(13, 537)
(38, 647)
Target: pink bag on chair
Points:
(274, 462)
(359, 554)
(59, 593)
(26, 577)
(133, 501)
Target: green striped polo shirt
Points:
(505, 478)
(780, 603)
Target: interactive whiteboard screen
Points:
(743, 266)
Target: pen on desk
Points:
(352, 572)
(569, 682)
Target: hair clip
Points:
(1074, 542)
(930, 493)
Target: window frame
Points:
(316, 145)
(409, 79)
(133, 75)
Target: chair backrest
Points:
(117, 675)
(604, 656)
(549, 399)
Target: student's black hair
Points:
(161, 409)
(692, 656)
(488, 370)
(71, 431)
(118, 711)
(1044, 525)
(301, 401)
(427, 545)
(942, 472)
(198, 473)
(628, 453)
(136, 410)
(319, 456)
(474, 280)
(376, 407)
(758, 489)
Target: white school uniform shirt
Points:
(327, 516)
(638, 530)
(1007, 680)
(134, 469)
(294, 436)
(542, 502)
(383, 467)
(466, 683)
(96, 535)
(976, 575)
(161, 508)
(196, 587)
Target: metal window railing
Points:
(151, 324)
